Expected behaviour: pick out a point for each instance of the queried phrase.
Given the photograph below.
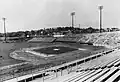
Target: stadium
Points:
(76, 58)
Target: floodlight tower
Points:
(4, 28)
(100, 19)
(72, 15)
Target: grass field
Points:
(65, 52)
(7, 48)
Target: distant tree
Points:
(90, 30)
(27, 33)
(33, 32)
(1, 35)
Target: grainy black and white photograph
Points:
(59, 41)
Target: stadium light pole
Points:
(79, 25)
(4, 28)
(100, 18)
(72, 15)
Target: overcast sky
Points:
(36, 14)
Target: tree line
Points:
(53, 31)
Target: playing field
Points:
(7, 48)
(61, 53)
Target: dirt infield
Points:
(54, 50)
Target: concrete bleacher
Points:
(93, 38)
(109, 38)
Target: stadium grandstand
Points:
(100, 66)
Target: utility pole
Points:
(100, 8)
(79, 25)
(4, 28)
(72, 15)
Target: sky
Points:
(24, 15)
